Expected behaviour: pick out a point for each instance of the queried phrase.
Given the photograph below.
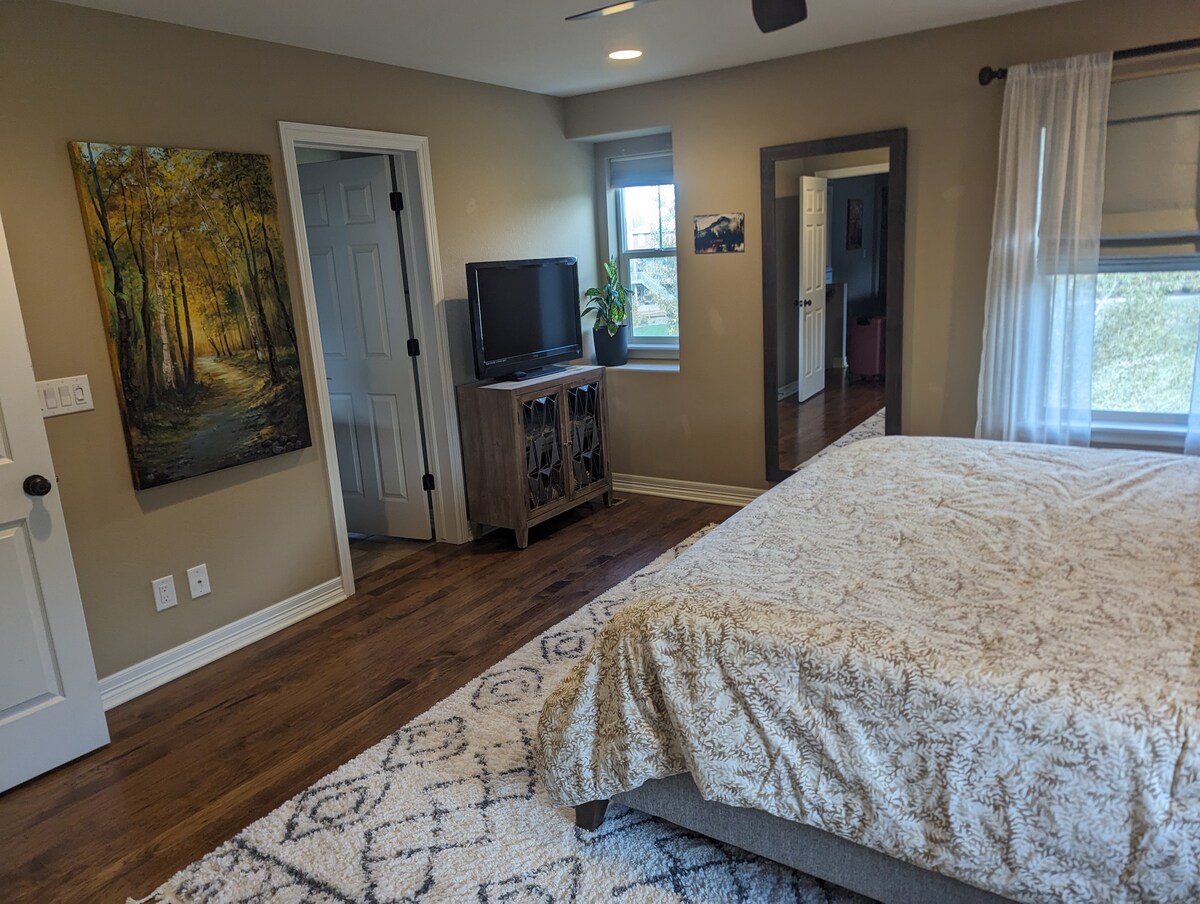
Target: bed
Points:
(920, 667)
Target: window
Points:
(646, 255)
(1147, 321)
(636, 189)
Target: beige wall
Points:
(705, 423)
(506, 184)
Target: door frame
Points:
(436, 391)
(896, 142)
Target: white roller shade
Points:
(627, 172)
(1152, 174)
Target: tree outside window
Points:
(1144, 351)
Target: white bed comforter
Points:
(980, 658)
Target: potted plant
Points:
(610, 331)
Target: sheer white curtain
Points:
(1035, 380)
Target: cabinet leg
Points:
(608, 499)
(522, 537)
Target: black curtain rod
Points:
(987, 74)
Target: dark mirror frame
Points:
(896, 141)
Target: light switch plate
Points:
(66, 395)
(198, 581)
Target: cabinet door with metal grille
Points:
(585, 425)
(541, 421)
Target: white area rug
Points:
(449, 808)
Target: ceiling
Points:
(527, 44)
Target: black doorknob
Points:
(37, 485)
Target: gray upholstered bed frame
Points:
(677, 800)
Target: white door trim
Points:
(847, 172)
(443, 447)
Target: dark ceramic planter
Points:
(612, 351)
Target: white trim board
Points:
(123, 686)
(848, 172)
(691, 491)
(788, 389)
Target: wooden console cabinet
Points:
(535, 448)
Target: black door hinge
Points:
(414, 347)
(427, 482)
(397, 201)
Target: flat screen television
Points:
(524, 315)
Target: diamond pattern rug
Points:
(450, 808)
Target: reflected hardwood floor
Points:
(805, 428)
(369, 553)
(193, 762)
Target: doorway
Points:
(370, 273)
(831, 261)
(833, 291)
(356, 237)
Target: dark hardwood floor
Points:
(193, 762)
(805, 428)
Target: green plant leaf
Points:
(610, 302)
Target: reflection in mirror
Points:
(829, 291)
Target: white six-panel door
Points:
(358, 276)
(50, 710)
(813, 253)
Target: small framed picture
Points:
(854, 224)
(719, 233)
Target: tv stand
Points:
(534, 448)
(519, 376)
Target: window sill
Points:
(1156, 433)
(662, 366)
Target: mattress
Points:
(980, 658)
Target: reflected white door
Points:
(358, 275)
(814, 249)
(50, 710)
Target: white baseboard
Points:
(156, 671)
(788, 389)
(685, 489)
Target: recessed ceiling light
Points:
(624, 54)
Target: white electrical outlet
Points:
(198, 581)
(164, 592)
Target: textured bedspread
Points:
(980, 658)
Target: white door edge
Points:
(443, 445)
(67, 723)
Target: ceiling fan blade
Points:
(772, 15)
(608, 10)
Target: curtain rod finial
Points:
(987, 75)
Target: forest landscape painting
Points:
(187, 255)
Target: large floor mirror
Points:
(833, 290)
